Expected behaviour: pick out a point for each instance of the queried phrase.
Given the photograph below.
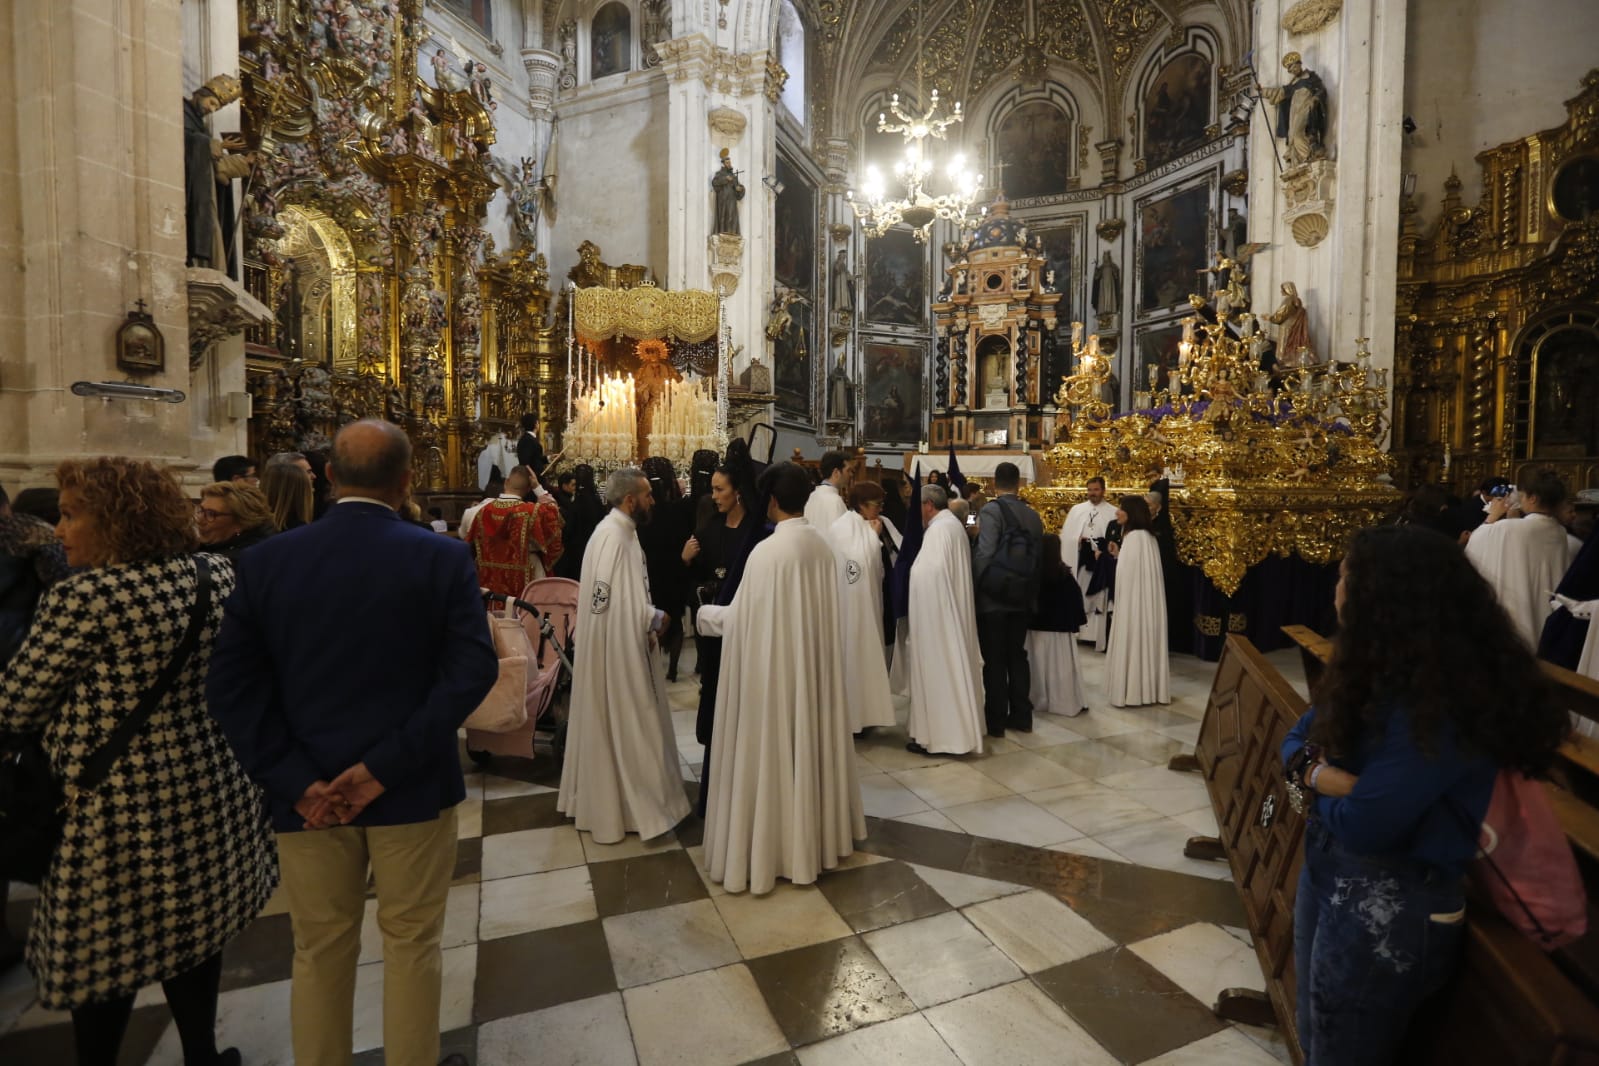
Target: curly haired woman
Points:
(170, 857)
(1427, 696)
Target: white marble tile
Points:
(1173, 801)
(455, 997)
(1011, 818)
(950, 785)
(906, 1041)
(1269, 1039)
(1094, 813)
(884, 797)
(959, 890)
(855, 859)
(460, 923)
(1202, 821)
(531, 851)
(1046, 733)
(1202, 959)
(1226, 1048)
(889, 755)
(496, 787)
(469, 818)
(1023, 771)
(589, 1032)
(536, 901)
(1160, 844)
(1154, 778)
(628, 847)
(255, 1020)
(1094, 758)
(697, 853)
(931, 819)
(734, 1024)
(1020, 1023)
(666, 942)
(1092, 725)
(940, 958)
(1037, 931)
(790, 916)
(1186, 734)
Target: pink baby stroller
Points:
(547, 610)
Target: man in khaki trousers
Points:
(351, 651)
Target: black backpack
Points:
(1012, 574)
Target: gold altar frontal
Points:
(1255, 470)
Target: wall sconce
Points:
(771, 182)
(126, 390)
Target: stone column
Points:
(543, 78)
(1346, 277)
(91, 153)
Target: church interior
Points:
(1296, 259)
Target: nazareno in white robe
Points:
(783, 799)
(824, 507)
(1137, 670)
(1087, 520)
(621, 771)
(859, 554)
(946, 666)
(1524, 560)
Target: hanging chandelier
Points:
(918, 209)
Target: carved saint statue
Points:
(209, 164)
(445, 76)
(1301, 112)
(482, 86)
(728, 191)
(1107, 294)
(529, 193)
(843, 284)
(1293, 340)
(840, 393)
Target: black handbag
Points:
(34, 805)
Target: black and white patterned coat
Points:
(171, 856)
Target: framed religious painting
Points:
(1034, 142)
(1174, 240)
(893, 375)
(1176, 109)
(794, 363)
(1058, 245)
(896, 279)
(612, 41)
(794, 230)
(1155, 355)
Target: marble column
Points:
(91, 156)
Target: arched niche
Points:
(610, 41)
(1034, 135)
(1558, 357)
(314, 290)
(1175, 98)
(994, 372)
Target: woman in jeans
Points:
(1428, 695)
(161, 865)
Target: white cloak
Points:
(621, 771)
(1057, 679)
(1524, 560)
(1087, 520)
(860, 619)
(946, 666)
(824, 507)
(783, 800)
(1136, 667)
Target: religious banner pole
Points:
(722, 368)
(571, 301)
(1260, 98)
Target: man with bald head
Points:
(351, 651)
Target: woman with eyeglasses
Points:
(233, 517)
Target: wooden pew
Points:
(1511, 1003)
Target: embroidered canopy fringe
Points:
(644, 313)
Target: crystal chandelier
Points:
(917, 208)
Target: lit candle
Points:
(1077, 335)
(1188, 330)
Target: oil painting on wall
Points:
(1176, 109)
(896, 279)
(893, 376)
(795, 230)
(793, 360)
(1174, 244)
(1035, 144)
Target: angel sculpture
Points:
(777, 325)
(1232, 282)
(530, 194)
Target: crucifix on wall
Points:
(999, 183)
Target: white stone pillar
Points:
(91, 156)
(1347, 278)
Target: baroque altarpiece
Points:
(1497, 340)
(362, 230)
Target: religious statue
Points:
(840, 394)
(1107, 294)
(728, 191)
(482, 87)
(444, 75)
(777, 325)
(209, 165)
(843, 283)
(1301, 112)
(529, 193)
(567, 33)
(1293, 340)
(1232, 293)
(1021, 277)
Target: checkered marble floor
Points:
(1028, 905)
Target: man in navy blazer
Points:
(351, 651)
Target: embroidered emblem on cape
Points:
(602, 597)
(852, 571)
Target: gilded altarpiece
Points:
(363, 232)
(1496, 352)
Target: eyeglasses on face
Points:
(208, 514)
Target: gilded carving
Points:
(1128, 24)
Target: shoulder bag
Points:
(34, 805)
